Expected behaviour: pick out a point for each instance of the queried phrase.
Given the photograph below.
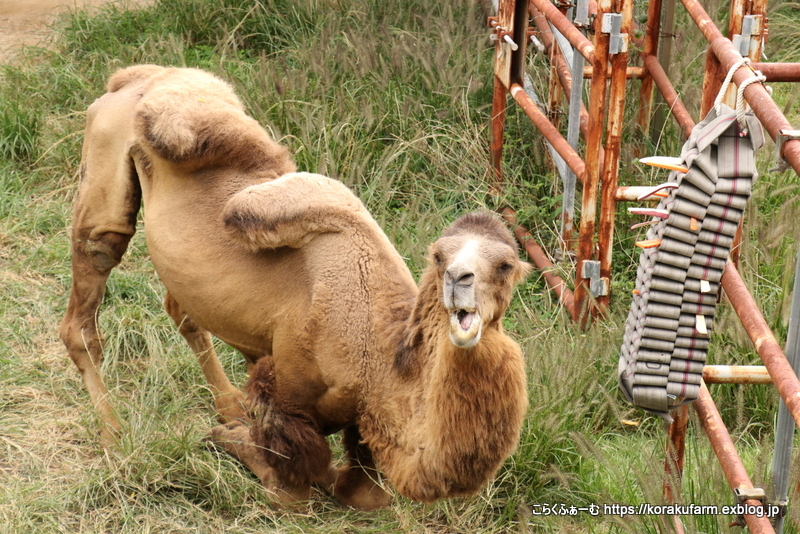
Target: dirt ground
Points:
(27, 22)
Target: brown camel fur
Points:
(290, 269)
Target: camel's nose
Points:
(459, 275)
(459, 287)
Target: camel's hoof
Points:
(228, 436)
(356, 489)
(231, 408)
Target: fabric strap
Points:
(672, 312)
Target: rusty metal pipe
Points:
(632, 73)
(610, 173)
(704, 22)
(712, 82)
(557, 60)
(574, 36)
(676, 452)
(740, 9)
(550, 132)
(670, 95)
(765, 109)
(779, 72)
(765, 343)
(763, 106)
(736, 374)
(498, 129)
(650, 49)
(560, 64)
(728, 457)
(594, 166)
(542, 262)
(664, 54)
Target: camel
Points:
(291, 270)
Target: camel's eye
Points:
(505, 267)
(438, 259)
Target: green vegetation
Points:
(393, 98)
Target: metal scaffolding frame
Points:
(561, 31)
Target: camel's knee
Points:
(293, 447)
(103, 251)
(289, 438)
(81, 343)
(92, 259)
(235, 438)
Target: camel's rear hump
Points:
(130, 75)
(194, 119)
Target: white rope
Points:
(741, 105)
(718, 101)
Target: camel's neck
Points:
(426, 320)
(448, 416)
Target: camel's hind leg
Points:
(103, 222)
(228, 401)
(92, 261)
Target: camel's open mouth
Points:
(465, 328)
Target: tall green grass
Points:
(393, 98)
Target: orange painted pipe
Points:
(765, 343)
(542, 262)
(728, 458)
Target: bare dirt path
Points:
(27, 22)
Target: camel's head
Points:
(478, 266)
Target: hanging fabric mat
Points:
(677, 283)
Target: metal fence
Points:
(561, 31)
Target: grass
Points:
(393, 98)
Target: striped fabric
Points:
(672, 313)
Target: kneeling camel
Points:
(290, 269)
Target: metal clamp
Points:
(612, 25)
(598, 286)
(782, 507)
(500, 33)
(583, 20)
(750, 494)
(751, 28)
(773, 511)
(784, 135)
(747, 494)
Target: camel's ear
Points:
(290, 211)
(524, 269)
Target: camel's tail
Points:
(291, 211)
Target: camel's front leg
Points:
(92, 261)
(236, 440)
(357, 484)
(228, 401)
